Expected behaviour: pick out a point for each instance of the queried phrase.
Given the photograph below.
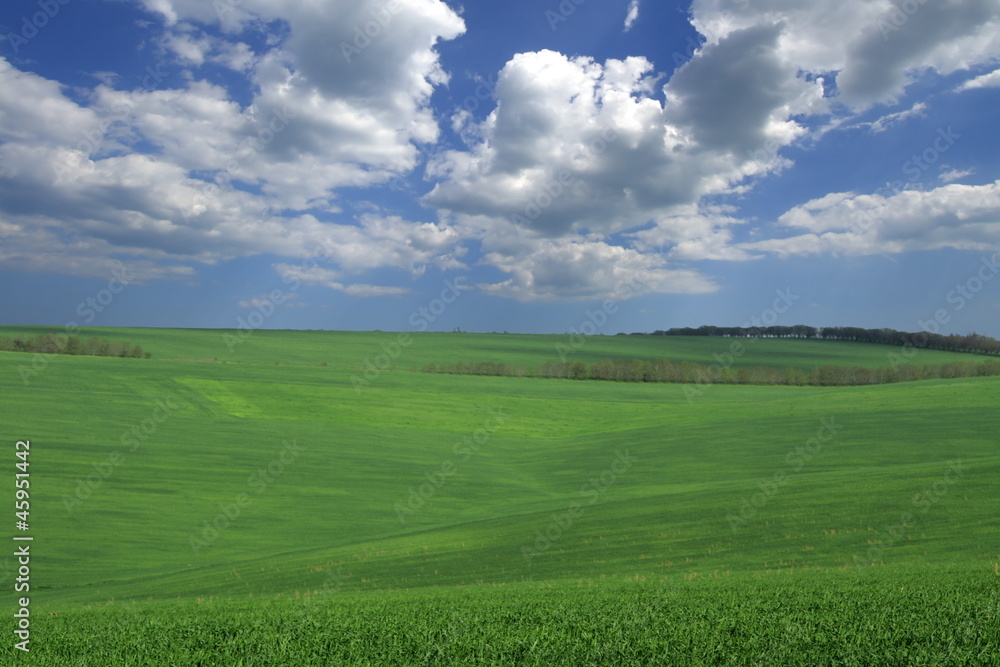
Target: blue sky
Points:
(335, 165)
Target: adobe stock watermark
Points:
(371, 30)
(67, 167)
(334, 582)
(264, 308)
(914, 168)
(795, 459)
(31, 26)
(562, 12)
(88, 309)
(258, 482)
(561, 182)
(223, 7)
(962, 294)
(898, 17)
(919, 163)
(244, 156)
(465, 448)
(131, 438)
(594, 320)
(693, 45)
(420, 320)
(765, 155)
(483, 92)
(563, 521)
(922, 504)
(724, 361)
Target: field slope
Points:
(272, 478)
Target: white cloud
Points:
(693, 235)
(189, 47)
(142, 205)
(723, 119)
(990, 80)
(358, 78)
(891, 120)
(547, 270)
(632, 14)
(575, 146)
(391, 241)
(33, 108)
(319, 120)
(950, 175)
(586, 174)
(875, 47)
(331, 280)
(236, 56)
(577, 150)
(737, 94)
(965, 217)
(271, 300)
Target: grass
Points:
(763, 620)
(871, 542)
(349, 350)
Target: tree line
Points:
(972, 343)
(687, 372)
(64, 344)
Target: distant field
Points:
(350, 350)
(455, 485)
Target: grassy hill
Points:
(350, 350)
(273, 479)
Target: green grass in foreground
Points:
(902, 618)
(870, 545)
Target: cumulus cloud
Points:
(874, 48)
(549, 269)
(553, 151)
(358, 78)
(585, 175)
(34, 108)
(738, 95)
(990, 80)
(601, 128)
(391, 241)
(697, 234)
(579, 150)
(945, 36)
(965, 217)
(191, 175)
(189, 47)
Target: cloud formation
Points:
(189, 175)
(632, 14)
(586, 174)
(964, 217)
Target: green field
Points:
(350, 350)
(267, 508)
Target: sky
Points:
(528, 166)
